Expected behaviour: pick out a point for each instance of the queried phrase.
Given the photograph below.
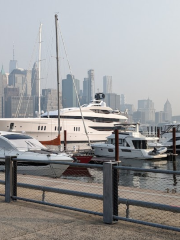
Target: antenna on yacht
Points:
(40, 29)
(58, 84)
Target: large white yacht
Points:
(96, 123)
(132, 144)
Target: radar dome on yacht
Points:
(99, 96)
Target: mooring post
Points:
(65, 140)
(151, 130)
(174, 141)
(158, 132)
(8, 179)
(108, 192)
(116, 145)
(174, 155)
(116, 175)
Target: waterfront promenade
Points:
(21, 221)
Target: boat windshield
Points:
(16, 136)
(140, 144)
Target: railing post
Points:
(14, 183)
(65, 139)
(8, 179)
(108, 192)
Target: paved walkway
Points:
(21, 221)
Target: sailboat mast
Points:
(58, 84)
(39, 94)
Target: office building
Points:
(147, 106)
(91, 85)
(12, 63)
(122, 101)
(21, 79)
(88, 88)
(35, 80)
(85, 92)
(139, 116)
(3, 84)
(49, 100)
(129, 107)
(69, 96)
(168, 111)
(112, 100)
(159, 117)
(107, 84)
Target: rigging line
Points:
(48, 62)
(49, 40)
(33, 80)
(24, 84)
(74, 84)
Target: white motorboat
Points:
(24, 147)
(132, 144)
(166, 136)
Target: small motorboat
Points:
(132, 144)
(25, 147)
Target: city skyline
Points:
(137, 43)
(125, 102)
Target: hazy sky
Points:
(137, 42)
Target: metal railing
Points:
(110, 197)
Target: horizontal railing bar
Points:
(62, 191)
(149, 205)
(147, 223)
(58, 162)
(2, 182)
(147, 170)
(57, 205)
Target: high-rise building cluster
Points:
(20, 96)
(19, 93)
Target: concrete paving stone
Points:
(20, 221)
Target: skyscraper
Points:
(85, 91)
(168, 111)
(123, 101)
(69, 98)
(91, 85)
(35, 80)
(88, 87)
(3, 84)
(22, 79)
(147, 106)
(107, 84)
(12, 63)
(112, 100)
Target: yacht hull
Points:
(45, 129)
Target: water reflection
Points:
(145, 180)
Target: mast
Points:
(39, 95)
(58, 84)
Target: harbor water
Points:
(130, 178)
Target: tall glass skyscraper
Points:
(69, 98)
(107, 84)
